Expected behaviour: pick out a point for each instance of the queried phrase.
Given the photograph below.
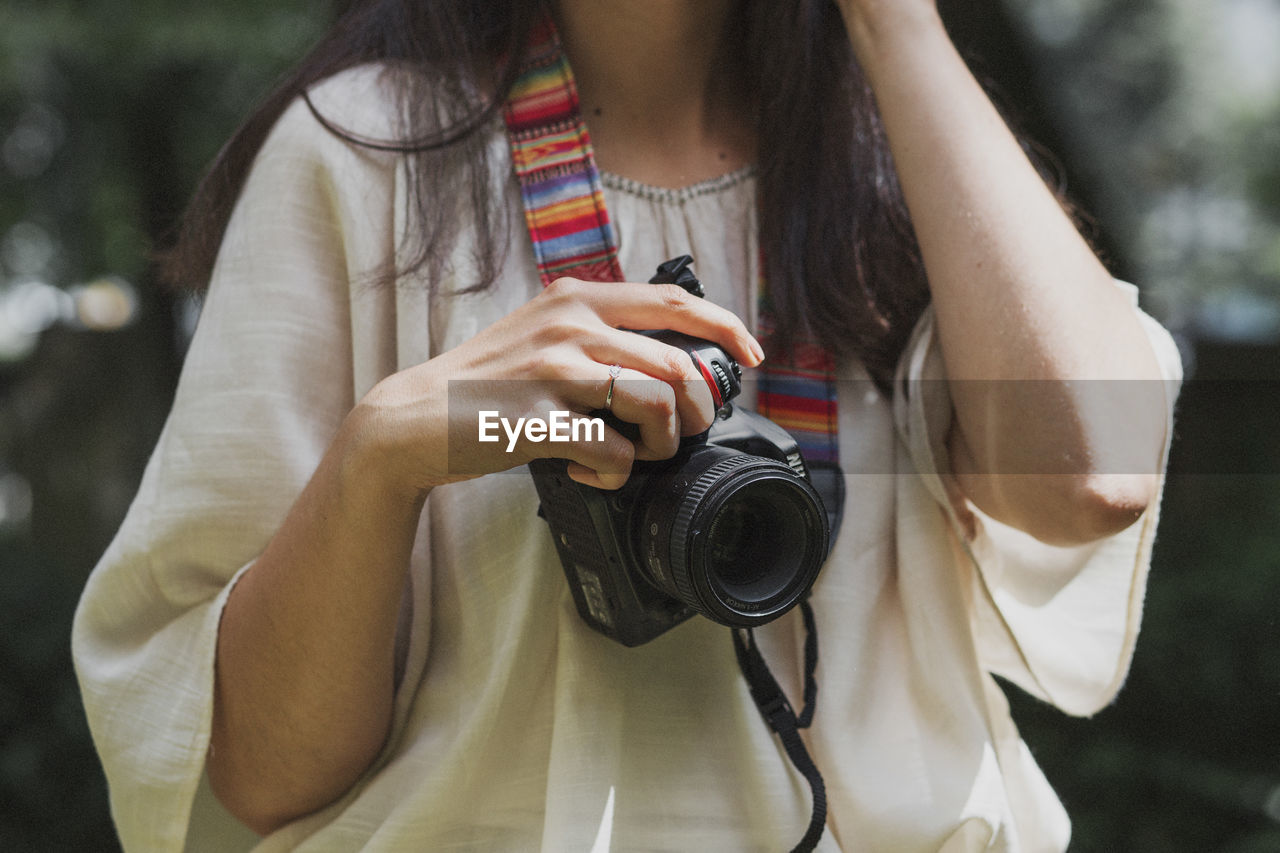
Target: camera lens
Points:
(749, 551)
(739, 538)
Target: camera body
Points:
(729, 527)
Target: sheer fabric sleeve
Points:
(1058, 622)
(268, 379)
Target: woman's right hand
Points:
(553, 354)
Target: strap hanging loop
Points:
(782, 719)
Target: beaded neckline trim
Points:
(681, 195)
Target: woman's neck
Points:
(659, 88)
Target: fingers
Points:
(652, 406)
(641, 306)
(662, 306)
(588, 477)
(663, 365)
(600, 456)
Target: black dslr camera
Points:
(729, 527)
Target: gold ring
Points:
(614, 370)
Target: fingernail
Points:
(758, 350)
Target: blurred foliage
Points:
(110, 109)
(1172, 111)
(132, 99)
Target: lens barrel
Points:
(737, 537)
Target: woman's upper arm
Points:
(266, 381)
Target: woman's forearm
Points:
(1024, 308)
(306, 642)
(305, 650)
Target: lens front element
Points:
(750, 551)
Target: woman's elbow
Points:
(265, 795)
(1113, 502)
(262, 808)
(1096, 507)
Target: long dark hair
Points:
(842, 260)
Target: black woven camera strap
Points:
(778, 713)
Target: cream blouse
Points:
(516, 727)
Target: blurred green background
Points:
(1165, 114)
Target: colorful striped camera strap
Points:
(569, 225)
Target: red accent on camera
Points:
(716, 396)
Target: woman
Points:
(319, 615)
